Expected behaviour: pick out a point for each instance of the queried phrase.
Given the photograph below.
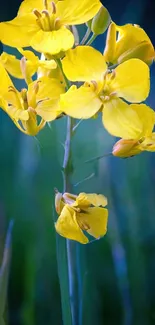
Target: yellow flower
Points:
(102, 89)
(134, 141)
(126, 42)
(27, 66)
(84, 212)
(43, 24)
(25, 107)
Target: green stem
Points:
(66, 249)
(71, 246)
(58, 61)
(91, 39)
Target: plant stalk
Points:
(67, 267)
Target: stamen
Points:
(57, 24)
(37, 13)
(47, 23)
(45, 4)
(141, 140)
(39, 16)
(11, 88)
(32, 110)
(24, 94)
(24, 97)
(106, 98)
(36, 87)
(42, 100)
(113, 94)
(53, 8)
(113, 75)
(105, 74)
(94, 84)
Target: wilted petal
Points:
(68, 227)
(85, 199)
(94, 221)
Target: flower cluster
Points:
(69, 77)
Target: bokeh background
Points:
(117, 272)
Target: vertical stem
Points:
(67, 168)
(67, 248)
(71, 246)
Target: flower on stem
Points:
(78, 213)
(103, 89)
(43, 24)
(32, 64)
(126, 42)
(41, 99)
(135, 141)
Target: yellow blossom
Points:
(30, 108)
(26, 67)
(103, 89)
(126, 42)
(43, 24)
(134, 142)
(84, 212)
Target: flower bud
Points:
(101, 21)
(110, 47)
(126, 148)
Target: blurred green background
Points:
(116, 273)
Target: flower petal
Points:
(48, 89)
(84, 63)
(81, 103)
(149, 143)
(129, 37)
(47, 97)
(146, 116)
(19, 31)
(132, 81)
(4, 86)
(68, 227)
(95, 220)
(18, 114)
(52, 42)
(48, 109)
(77, 12)
(27, 6)
(85, 199)
(121, 120)
(11, 64)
